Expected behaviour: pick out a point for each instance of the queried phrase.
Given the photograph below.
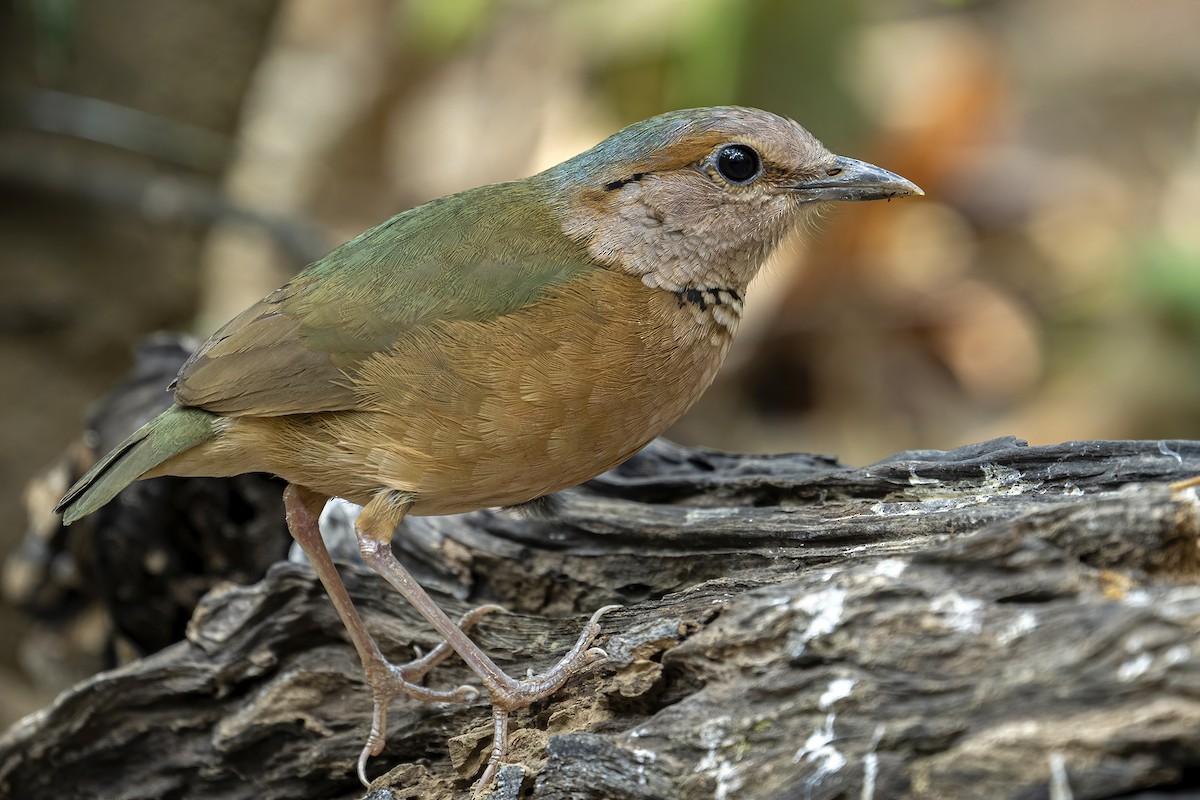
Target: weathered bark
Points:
(123, 582)
(997, 621)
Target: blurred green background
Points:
(164, 164)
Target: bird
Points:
(490, 348)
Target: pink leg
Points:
(387, 680)
(375, 526)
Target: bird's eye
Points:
(738, 163)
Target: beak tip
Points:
(859, 180)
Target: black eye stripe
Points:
(634, 178)
(738, 163)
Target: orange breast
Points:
(474, 414)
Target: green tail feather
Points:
(170, 433)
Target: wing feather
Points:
(471, 256)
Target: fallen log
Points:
(998, 621)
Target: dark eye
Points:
(738, 163)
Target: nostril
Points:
(833, 171)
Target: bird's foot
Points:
(389, 680)
(508, 694)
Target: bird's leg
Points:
(375, 526)
(386, 679)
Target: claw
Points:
(404, 680)
(362, 765)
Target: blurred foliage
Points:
(1166, 275)
(437, 28)
(52, 23)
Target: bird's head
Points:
(700, 197)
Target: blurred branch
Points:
(161, 196)
(120, 126)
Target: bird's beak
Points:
(851, 179)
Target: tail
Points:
(175, 430)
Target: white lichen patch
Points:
(1023, 623)
(891, 567)
(825, 609)
(819, 752)
(871, 765)
(958, 612)
(916, 480)
(1060, 785)
(839, 689)
(643, 757)
(1135, 667)
(715, 763)
(703, 515)
(999, 480)
(1179, 654)
(1143, 660)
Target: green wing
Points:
(475, 255)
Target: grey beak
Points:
(851, 179)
